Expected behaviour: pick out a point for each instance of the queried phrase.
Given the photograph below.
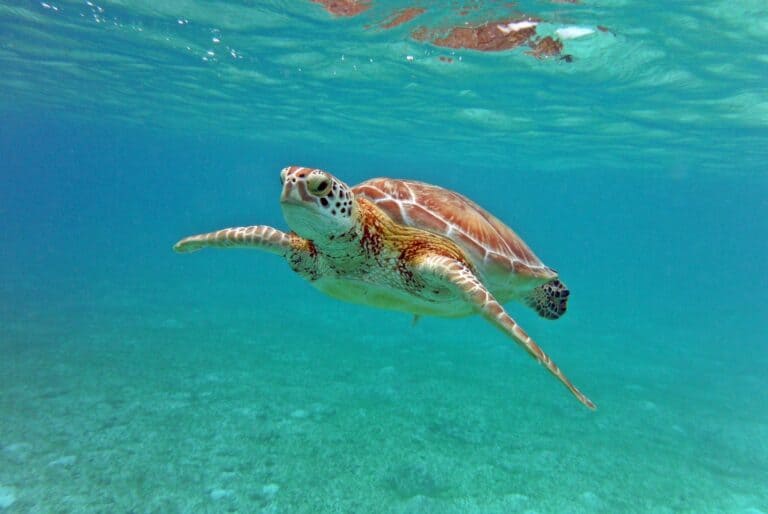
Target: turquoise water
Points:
(136, 380)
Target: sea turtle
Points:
(404, 245)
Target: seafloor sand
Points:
(136, 404)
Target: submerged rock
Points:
(403, 16)
(492, 36)
(344, 7)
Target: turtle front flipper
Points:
(261, 237)
(456, 275)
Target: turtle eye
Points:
(318, 185)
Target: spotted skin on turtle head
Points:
(316, 187)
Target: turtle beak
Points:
(294, 188)
(294, 193)
(285, 195)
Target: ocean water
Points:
(136, 380)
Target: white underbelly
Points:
(384, 297)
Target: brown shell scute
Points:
(488, 241)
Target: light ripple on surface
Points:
(237, 68)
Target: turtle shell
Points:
(495, 249)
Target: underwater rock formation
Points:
(492, 36)
(344, 7)
(403, 16)
(546, 47)
(488, 36)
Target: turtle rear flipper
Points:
(457, 275)
(550, 300)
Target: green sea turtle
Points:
(404, 245)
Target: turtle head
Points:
(316, 205)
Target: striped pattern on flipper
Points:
(257, 236)
(475, 292)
